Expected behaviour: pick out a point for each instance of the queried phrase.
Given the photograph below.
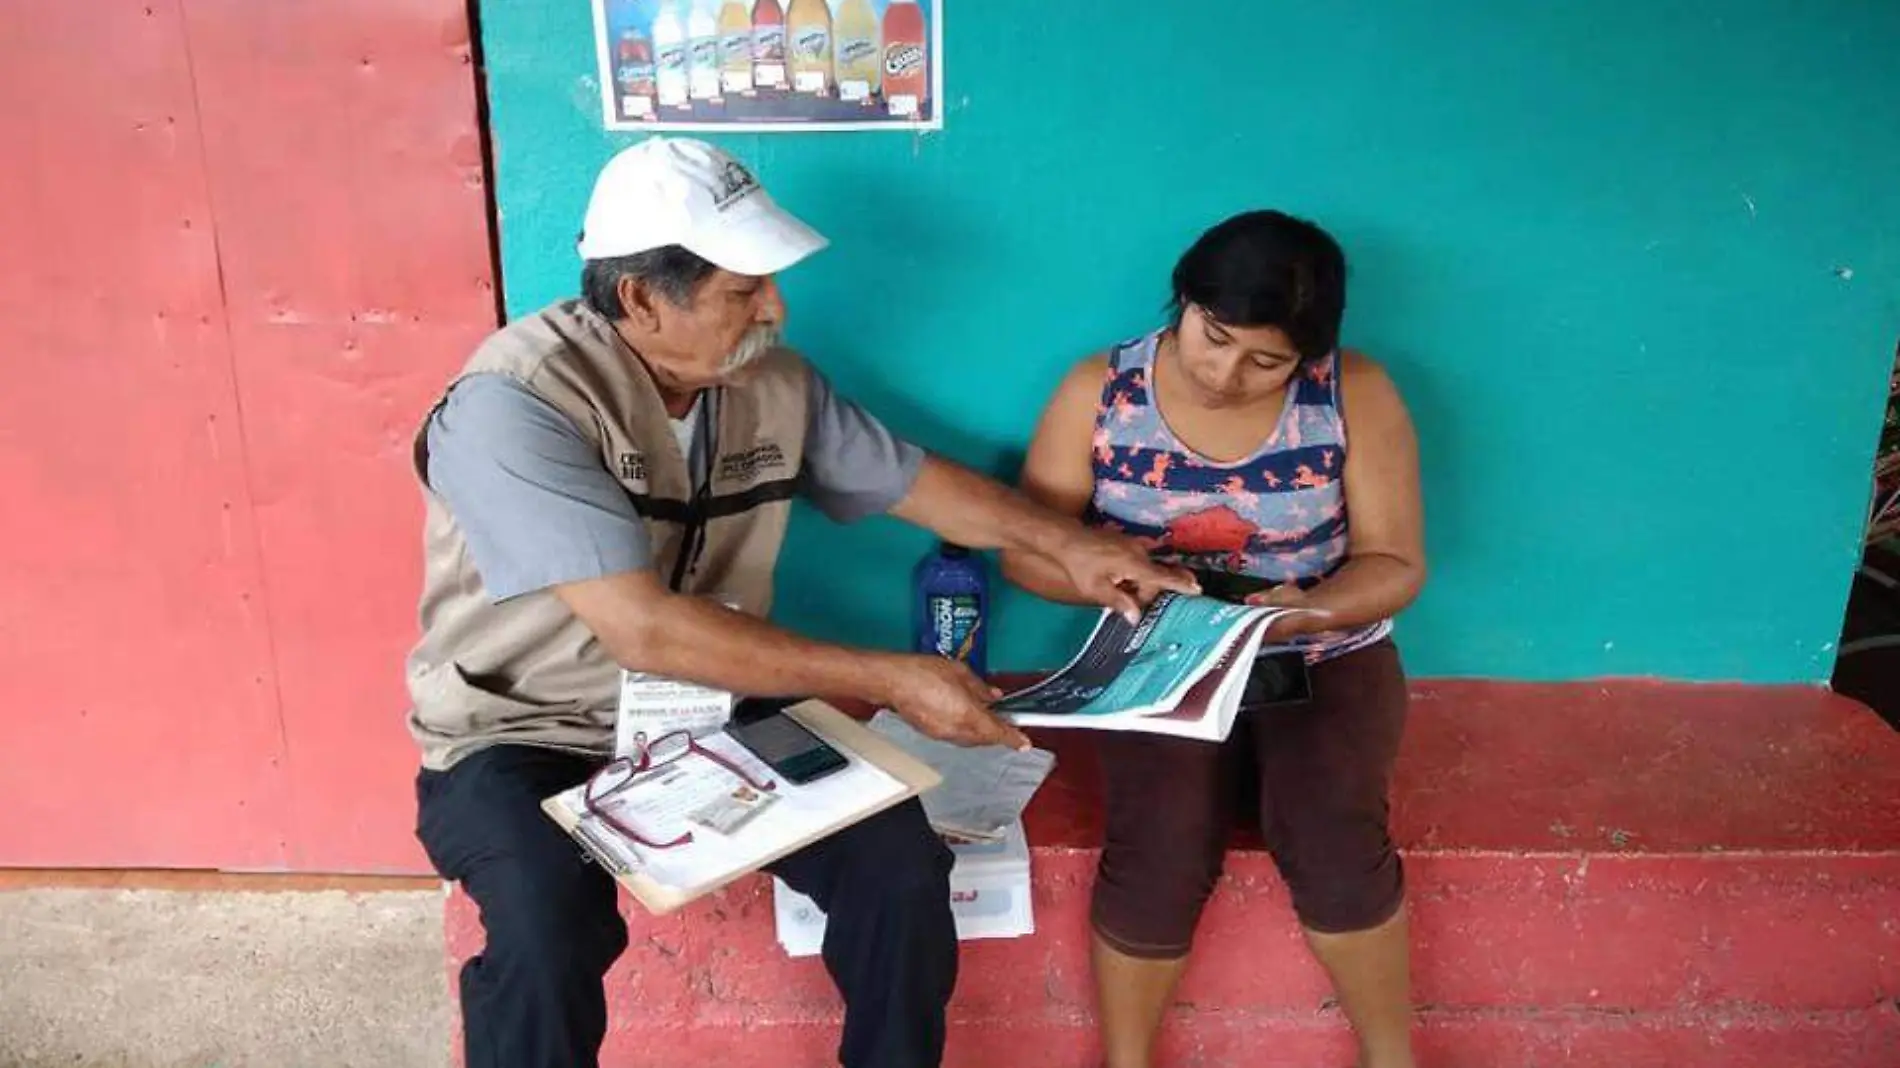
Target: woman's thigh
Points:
(1168, 817)
(1325, 770)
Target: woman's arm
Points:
(1058, 474)
(1385, 554)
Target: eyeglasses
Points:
(614, 779)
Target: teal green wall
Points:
(1635, 265)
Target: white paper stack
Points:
(989, 896)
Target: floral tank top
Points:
(1278, 514)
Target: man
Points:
(599, 479)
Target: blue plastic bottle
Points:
(952, 593)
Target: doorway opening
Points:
(1867, 665)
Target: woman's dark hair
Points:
(1267, 268)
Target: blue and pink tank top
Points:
(1279, 514)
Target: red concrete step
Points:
(1631, 874)
(1201, 1040)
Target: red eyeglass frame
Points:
(634, 768)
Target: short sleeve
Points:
(854, 466)
(529, 491)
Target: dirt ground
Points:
(168, 979)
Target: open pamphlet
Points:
(1180, 671)
(713, 812)
(985, 788)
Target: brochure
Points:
(1179, 671)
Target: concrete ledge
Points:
(1570, 1039)
(1601, 875)
(1623, 767)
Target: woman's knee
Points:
(1343, 883)
(1148, 902)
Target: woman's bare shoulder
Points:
(1091, 368)
(1367, 393)
(1084, 379)
(1356, 364)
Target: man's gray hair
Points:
(671, 271)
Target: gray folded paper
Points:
(985, 788)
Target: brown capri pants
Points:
(1319, 770)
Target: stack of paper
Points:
(989, 897)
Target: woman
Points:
(1239, 439)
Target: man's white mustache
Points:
(757, 342)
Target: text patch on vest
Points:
(633, 467)
(754, 464)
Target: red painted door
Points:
(245, 243)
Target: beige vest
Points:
(527, 671)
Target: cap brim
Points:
(757, 237)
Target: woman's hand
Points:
(1306, 617)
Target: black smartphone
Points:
(1227, 586)
(785, 745)
(1278, 678)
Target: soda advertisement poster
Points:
(770, 65)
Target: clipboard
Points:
(841, 731)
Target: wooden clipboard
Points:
(843, 732)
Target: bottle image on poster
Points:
(857, 45)
(735, 47)
(669, 49)
(702, 50)
(808, 31)
(768, 45)
(906, 73)
(769, 66)
(633, 73)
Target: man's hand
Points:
(945, 700)
(1083, 566)
(1115, 572)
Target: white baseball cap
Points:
(677, 191)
